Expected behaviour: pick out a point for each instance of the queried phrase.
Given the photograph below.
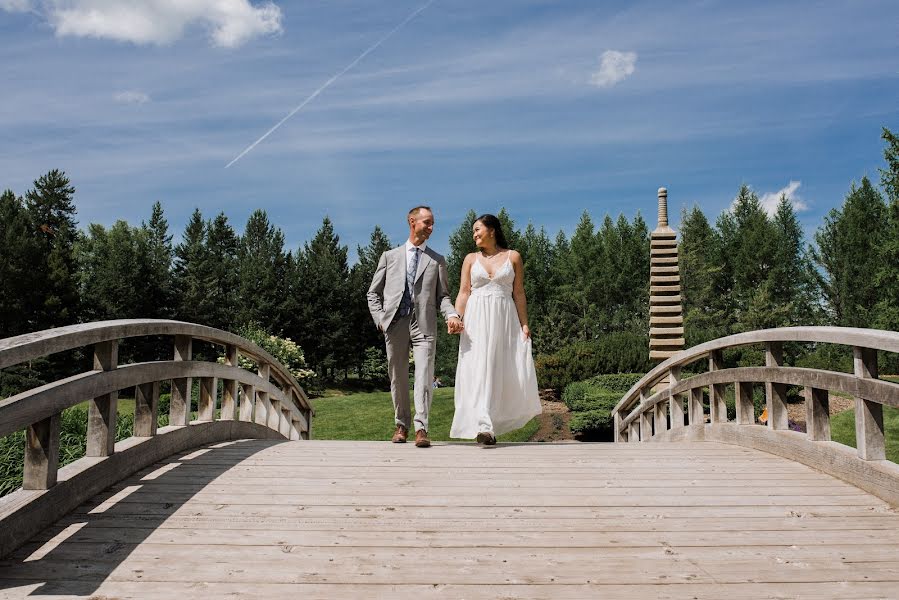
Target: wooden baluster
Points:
(645, 417)
(247, 401)
(206, 403)
(41, 454)
(307, 433)
(275, 416)
(660, 417)
(817, 414)
(743, 401)
(633, 431)
(229, 386)
(675, 401)
(618, 435)
(285, 422)
(179, 409)
(717, 405)
(146, 406)
(868, 415)
(101, 415)
(776, 393)
(697, 414)
(263, 406)
(294, 429)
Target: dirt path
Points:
(553, 420)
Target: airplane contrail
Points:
(332, 80)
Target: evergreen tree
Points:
(537, 254)
(19, 267)
(113, 274)
(262, 270)
(190, 274)
(849, 252)
(700, 273)
(51, 207)
(366, 335)
(887, 278)
(222, 244)
(323, 295)
(461, 243)
(794, 296)
(158, 291)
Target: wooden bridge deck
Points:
(319, 519)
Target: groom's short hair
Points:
(414, 212)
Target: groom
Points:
(409, 285)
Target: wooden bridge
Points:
(239, 503)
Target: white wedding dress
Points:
(496, 384)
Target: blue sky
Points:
(544, 107)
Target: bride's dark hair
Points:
(493, 223)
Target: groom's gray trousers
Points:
(402, 335)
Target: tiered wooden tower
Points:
(666, 320)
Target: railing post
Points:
(633, 431)
(776, 393)
(179, 410)
(616, 428)
(868, 415)
(697, 414)
(101, 415)
(41, 454)
(146, 406)
(817, 414)
(263, 406)
(247, 401)
(743, 402)
(717, 405)
(206, 402)
(645, 417)
(675, 402)
(229, 386)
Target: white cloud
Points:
(230, 22)
(770, 200)
(614, 67)
(132, 97)
(15, 5)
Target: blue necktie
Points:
(411, 269)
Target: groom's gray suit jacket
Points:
(431, 291)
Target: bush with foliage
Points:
(594, 423)
(284, 350)
(619, 352)
(592, 401)
(374, 367)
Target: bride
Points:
(496, 384)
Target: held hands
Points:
(454, 325)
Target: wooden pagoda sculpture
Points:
(666, 321)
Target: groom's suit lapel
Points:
(423, 261)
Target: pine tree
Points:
(112, 277)
(794, 296)
(19, 269)
(461, 243)
(887, 278)
(366, 334)
(700, 272)
(849, 252)
(222, 245)
(190, 275)
(323, 294)
(158, 291)
(51, 207)
(262, 269)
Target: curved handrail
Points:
(654, 409)
(269, 403)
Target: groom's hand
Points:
(454, 325)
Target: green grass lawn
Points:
(369, 416)
(842, 429)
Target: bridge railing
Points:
(268, 403)
(663, 406)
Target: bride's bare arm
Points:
(521, 303)
(464, 285)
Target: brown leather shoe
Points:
(400, 435)
(487, 438)
(421, 439)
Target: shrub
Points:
(374, 366)
(590, 422)
(616, 382)
(285, 351)
(619, 352)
